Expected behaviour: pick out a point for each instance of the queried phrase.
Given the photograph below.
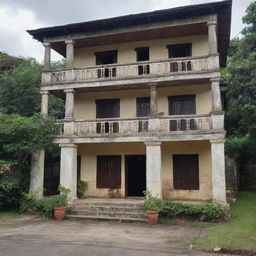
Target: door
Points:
(135, 166)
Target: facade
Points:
(143, 106)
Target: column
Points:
(37, 158)
(153, 100)
(44, 103)
(218, 172)
(212, 37)
(68, 169)
(69, 104)
(154, 165)
(47, 56)
(216, 98)
(69, 53)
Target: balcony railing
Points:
(136, 126)
(131, 70)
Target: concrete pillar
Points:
(69, 104)
(68, 169)
(154, 166)
(153, 100)
(218, 172)
(69, 53)
(47, 56)
(37, 174)
(216, 98)
(37, 158)
(212, 37)
(44, 103)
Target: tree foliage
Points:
(239, 86)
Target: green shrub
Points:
(10, 191)
(27, 203)
(44, 205)
(81, 188)
(152, 203)
(209, 212)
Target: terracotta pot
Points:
(180, 221)
(152, 217)
(59, 212)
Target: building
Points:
(143, 105)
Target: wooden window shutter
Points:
(182, 105)
(108, 171)
(143, 106)
(186, 172)
(108, 108)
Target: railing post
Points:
(47, 56)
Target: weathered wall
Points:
(89, 152)
(203, 149)
(84, 57)
(85, 107)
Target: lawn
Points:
(239, 232)
(9, 214)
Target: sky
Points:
(17, 16)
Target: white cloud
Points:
(19, 15)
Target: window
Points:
(143, 55)
(182, 105)
(186, 172)
(104, 58)
(107, 108)
(143, 109)
(107, 57)
(179, 50)
(108, 171)
(143, 106)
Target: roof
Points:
(222, 8)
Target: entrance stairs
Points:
(123, 210)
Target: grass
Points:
(239, 232)
(9, 214)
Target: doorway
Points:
(135, 167)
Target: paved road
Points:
(41, 237)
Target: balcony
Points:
(145, 69)
(136, 126)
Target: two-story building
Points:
(143, 105)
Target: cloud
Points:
(19, 15)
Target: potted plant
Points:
(153, 206)
(61, 203)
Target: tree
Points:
(20, 92)
(239, 86)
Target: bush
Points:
(10, 192)
(44, 205)
(152, 203)
(81, 188)
(209, 212)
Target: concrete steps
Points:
(113, 210)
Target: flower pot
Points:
(59, 212)
(152, 217)
(180, 221)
